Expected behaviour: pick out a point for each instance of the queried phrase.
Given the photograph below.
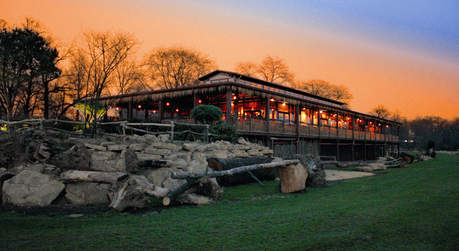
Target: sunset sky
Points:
(403, 54)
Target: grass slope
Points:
(412, 208)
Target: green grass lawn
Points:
(412, 208)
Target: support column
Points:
(160, 110)
(353, 137)
(229, 96)
(130, 109)
(268, 114)
(297, 120)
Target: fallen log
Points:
(134, 192)
(212, 174)
(218, 164)
(204, 186)
(92, 176)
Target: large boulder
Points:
(293, 178)
(31, 188)
(87, 193)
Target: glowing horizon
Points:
(405, 60)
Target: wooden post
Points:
(353, 137)
(297, 120)
(268, 114)
(160, 109)
(229, 97)
(130, 109)
(172, 130)
(206, 134)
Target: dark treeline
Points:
(417, 133)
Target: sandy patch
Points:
(333, 175)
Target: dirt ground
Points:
(334, 175)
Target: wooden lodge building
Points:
(289, 120)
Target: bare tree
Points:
(128, 77)
(175, 67)
(380, 111)
(325, 89)
(247, 68)
(273, 69)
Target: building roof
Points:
(259, 81)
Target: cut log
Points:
(293, 178)
(92, 176)
(218, 164)
(212, 174)
(172, 195)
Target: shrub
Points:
(207, 114)
(223, 131)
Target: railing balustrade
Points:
(279, 127)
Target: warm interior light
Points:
(234, 97)
(154, 111)
(199, 101)
(139, 106)
(117, 108)
(283, 104)
(168, 104)
(387, 126)
(321, 111)
(272, 100)
(177, 110)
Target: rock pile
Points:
(51, 168)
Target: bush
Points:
(223, 131)
(207, 114)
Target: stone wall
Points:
(44, 182)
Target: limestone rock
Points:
(116, 148)
(254, 152)
(95, 147)
(293, 178)
(137, 147)
(164, 137)
(106, 162)
(242, 141)
(107, 143)
(148, 156)
(178, 164)
(190, 146)
(240, 154)
(158, 151)
(169, 146)
(31, 188)
(218, 154)
(87, 193)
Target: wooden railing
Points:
(285, 128)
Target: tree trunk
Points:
(242, 178)
(211, 174)
(93, 176)
(45, 99)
